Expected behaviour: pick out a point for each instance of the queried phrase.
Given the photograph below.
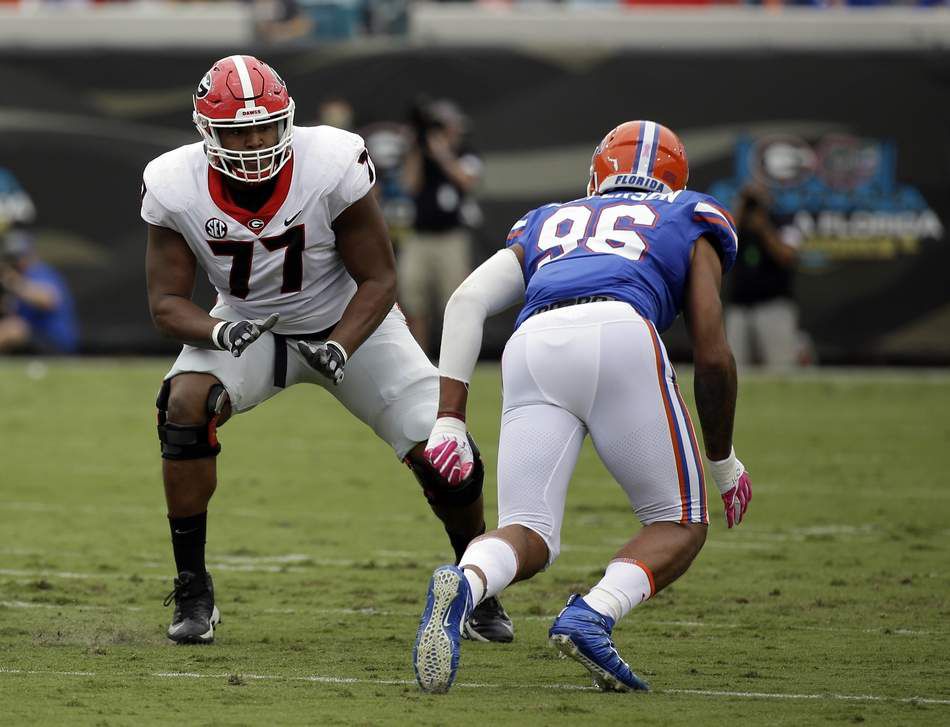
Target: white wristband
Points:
(341, 349)
(725, 472)
(214, 334)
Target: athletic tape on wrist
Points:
(724, 471)
(214, 335)
(341, 350)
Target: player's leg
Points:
(392, 387)
(461, 509)
(191, 406)
(198, 395)
(641, 430)
(463, 517)
(537, 452)
(538, 449)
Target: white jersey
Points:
(282, 258)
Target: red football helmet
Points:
(642, 155)
(244, 91)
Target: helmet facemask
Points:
(254, 166)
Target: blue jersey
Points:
(632, 246)
(56, 329)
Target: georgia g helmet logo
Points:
(204, 86)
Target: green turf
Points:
(835, 592)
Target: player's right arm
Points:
(714, 378)
(170, 269)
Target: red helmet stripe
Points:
(247, 88)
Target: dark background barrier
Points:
(78, 127)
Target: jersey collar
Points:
(254, 221)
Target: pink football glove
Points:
(734, 485)
(736, 500)
(448, 450)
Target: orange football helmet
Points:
(641, 155)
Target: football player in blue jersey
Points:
(600, 278)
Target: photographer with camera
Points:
(762, 320)
(36, 309)
(440, 174)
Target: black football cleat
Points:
(195, 613)
(489, 622)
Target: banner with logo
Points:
(852, 147)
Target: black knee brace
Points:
(439, 492)
(190, 441)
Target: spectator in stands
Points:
(36, 310)
(762, 320)
(336, 111)
(440, 175)
(280, 21)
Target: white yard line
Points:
(321, 679)
(838, 697)
(369, 611)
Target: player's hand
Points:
(328, 358)
(736, 499)
(236, 336)
(734, 485)
(449, 451)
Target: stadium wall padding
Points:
(80, 126)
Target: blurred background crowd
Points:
(476, 112)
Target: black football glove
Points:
(236, 336)
(328, 358)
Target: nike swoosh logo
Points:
(185, 532)
(291, 219)
(176, 628)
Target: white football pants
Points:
(596, 368)
(389, 384)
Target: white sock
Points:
(625, 585)
(496, 559)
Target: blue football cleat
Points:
(583, 634)
(435, 656)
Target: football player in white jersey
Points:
(280, 219)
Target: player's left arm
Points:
(714, 378)
(362, 241)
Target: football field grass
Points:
(830, 604)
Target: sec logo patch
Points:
(216, 228)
